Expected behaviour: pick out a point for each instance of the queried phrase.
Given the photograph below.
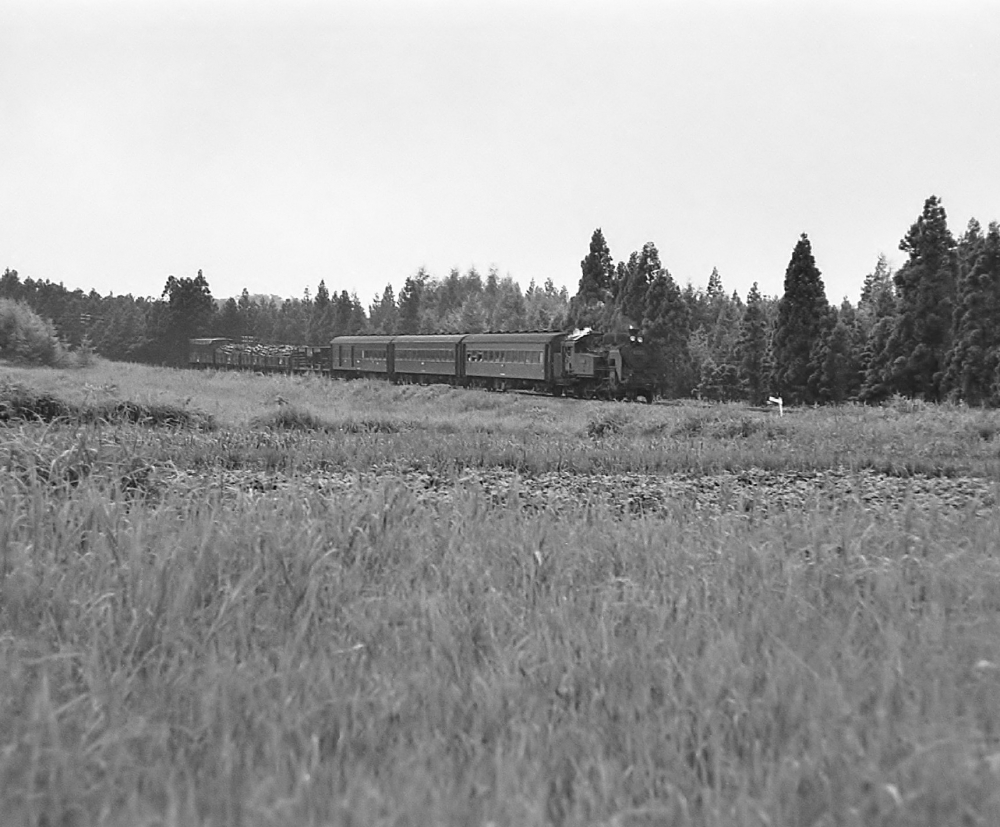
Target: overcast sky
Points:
(276, 144)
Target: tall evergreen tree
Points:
(248, 314)
(123, 333)
(839, 377)
(596, 278)
(751, 348)
(667, 328)
(383, 312)
(342, 308)
(410, 302)
(714, 291)
(725, 330)
(265, 317)
(802, 316)
(875, 319)
(613, 310)
(358, 322)
(546, 307)
(877, 288)
(699, 353)
(321, 327)
(917, 348)
(491, 295)
(472, 316)
(230, 324)
(292, 323)
(642, 269)
(509, 310)
(975, 350)
(450, 294)
(322, 300)
(190, 309)
(597, 270)
(10, 285)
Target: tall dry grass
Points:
(173, 652)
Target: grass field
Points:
(239, 600)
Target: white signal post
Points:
(776, 400)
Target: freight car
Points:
(581, 363)
(248, 354)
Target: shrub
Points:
(27, 337)
(370, 425)
(151, 414)
(291, 418)
(906, 405)
(607, 423)
(693, 425)
(18, 403)
(709, 425)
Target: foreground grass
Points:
(297, 660)
(171, 654)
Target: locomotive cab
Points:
(583, 359)
(587, 365)
(612, 365)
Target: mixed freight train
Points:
(581, 363)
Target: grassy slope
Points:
(173, 654)
(438, 423)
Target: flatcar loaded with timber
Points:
(581, 363)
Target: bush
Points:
(716, 426)
(607, 423)
(907, 405)
(18, 403)
(27, 337)
(291, 418)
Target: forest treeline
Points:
(156, 330)
(929, 330)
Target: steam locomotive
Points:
(580, 363)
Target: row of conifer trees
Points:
(930, 330)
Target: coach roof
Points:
(450, 339)
(505, 339)
(370, 341)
